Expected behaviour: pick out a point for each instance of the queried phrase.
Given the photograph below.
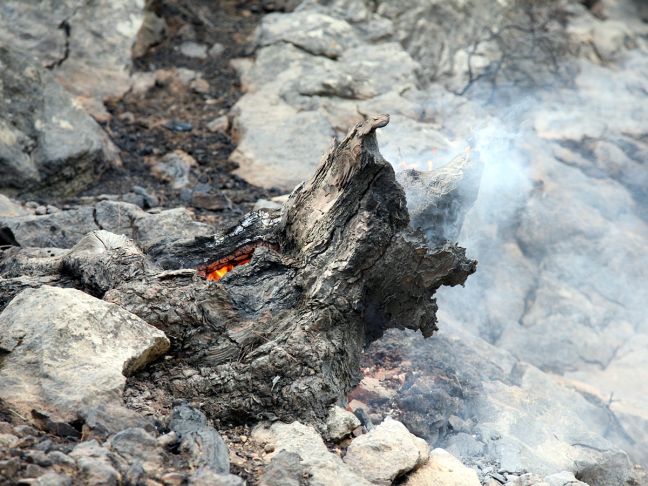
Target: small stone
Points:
(6, 428)
(243, 439)
(200, 85)
(39, 457)
(173, 479)
(357, 432)
(220, 124)
(268, 448)
(52, 479)
(61, 459)
(216, 50)
(340, 423)
(24, 430)
(167, 440)
(33, 471)
(194, 50)
(8, 441)
(179, 126)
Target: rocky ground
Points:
(173, 119)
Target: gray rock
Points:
(11, 209)
(204, 445)
(564, 478)
(386, 452)
(340, 423)
(95, 464)
(326, 468)
(88, 47)
(612, 469)
(174, 168)
(514, 408)
(46, 141)
(67, 351)
(135, 445)
(64, 229)
(207, 477)
(284, 469)
(53, 479)
(313, 32)
(193, 49)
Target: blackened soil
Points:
(147, 125)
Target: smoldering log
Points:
(281, 335)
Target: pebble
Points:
(167, 440)
(268, 448)
(220, 124)
(179, 126)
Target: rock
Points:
(528, 479)
(67, 351)
(216, 50)
(313, 32)
(268, 156)
(8, 441)
(87, 47)
(135, 445)
(95, 465)
(613, 468)
(193, 49)
(167, 440)
(207, 477)
(284, 469)
(52, 479)
(175, 168)
(563, 478)
(46, 141)
(513, 407)
(220, 124)
(206, 448)
(340, 423)
(151, 32)
(443, 469)
(10, 209)
(386, 452)
(326, 469)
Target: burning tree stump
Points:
(272, 316)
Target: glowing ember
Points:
(220, 272)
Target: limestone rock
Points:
(316, 33)
(66, 351)
(386, 452)
(340, 423)
(87, 46)
(326, 468)
(46, 140)
(443, 469)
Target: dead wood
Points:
(281, 336)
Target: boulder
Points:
(66, 352)
(326, 468)
(47, 142)
(86, 46)
(443, 469)
(386, 452)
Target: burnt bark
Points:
(281, 335)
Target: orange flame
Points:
(220, 272)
